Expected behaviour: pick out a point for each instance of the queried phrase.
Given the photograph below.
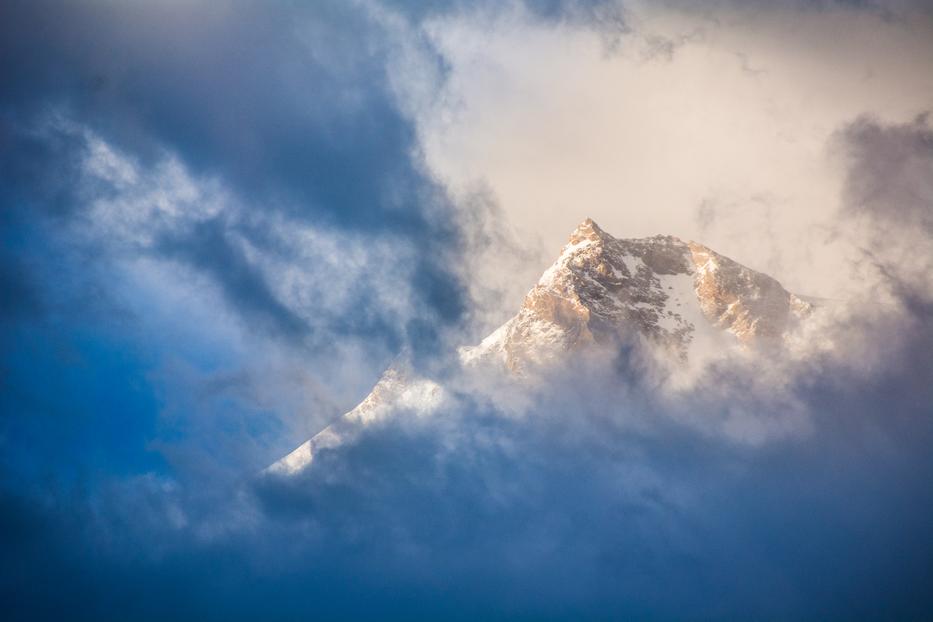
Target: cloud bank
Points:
(220, 223)
(709, 122)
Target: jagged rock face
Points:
(670, 293)
(749, 304)
(660, 288)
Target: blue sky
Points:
(220, 222)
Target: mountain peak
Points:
(588, 230)
(670, 292)
(680, 298)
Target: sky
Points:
(220, 223)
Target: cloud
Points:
(202, 95)
(266, 298)
(888, 195)
(220, 223)
(736, 120)
(587, 506)
(318, 140)
(229, 191)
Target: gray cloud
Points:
(890, 177)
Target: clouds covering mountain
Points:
(676, 304)
(222, 224)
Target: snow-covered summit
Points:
(677, 297)
(672, 293)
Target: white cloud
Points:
(711, 125)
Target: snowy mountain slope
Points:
(679, 297)
(398, 388)
(675, 294)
